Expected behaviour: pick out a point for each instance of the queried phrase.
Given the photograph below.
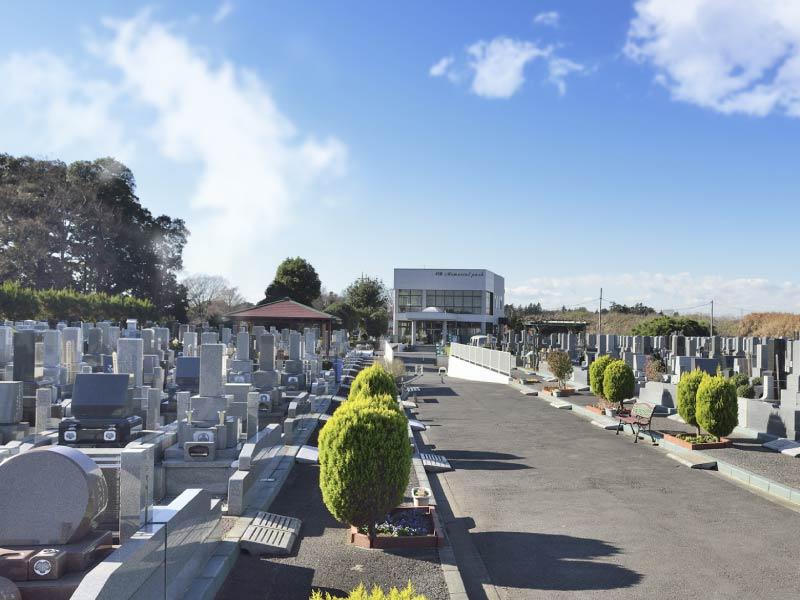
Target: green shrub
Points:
(746, 391)
(717, 408)
(757, 381)
(365, 460)
(687, 396)
(380, 400)
(376, 380)
(361, 593)
(596, 372)
(618, 382)
(739, 379)
(560, 365)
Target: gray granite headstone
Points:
(52, 348)
(130, 358)
(24, 354)
(243, 346)
(266, 355)
(10, 402)
(211, 380)
(294, 345)
(59, 505)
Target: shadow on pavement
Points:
(487, 461)
(477, 455)
(540, 561)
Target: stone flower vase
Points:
(421, 496)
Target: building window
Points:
(455, 301)
(409, 300)
(489, 303)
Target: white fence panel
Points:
(495, 360)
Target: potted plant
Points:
(421, 496)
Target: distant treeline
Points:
(81, 227)
(18, 303)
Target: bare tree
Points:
(210, 296)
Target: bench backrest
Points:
(643, 410)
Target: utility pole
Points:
(600, 315)
(712, 317)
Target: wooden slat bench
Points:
(639, 419)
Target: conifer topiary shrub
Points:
(746, 391)
(618, 382)
(596, 372)
(687, 396)
(740, 379)
(374, 380)
(717, 408)
(365, 460)
(381, 400)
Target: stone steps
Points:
(270, 533)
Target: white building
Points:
(452, 304)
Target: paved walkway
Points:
(546, 505)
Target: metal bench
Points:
(640, 418)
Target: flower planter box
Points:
(594, 409)
(386, 542)
(723, 443)
(558, 392)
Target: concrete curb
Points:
(447, 559)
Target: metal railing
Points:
(494, 360)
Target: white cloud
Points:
(441, 67)
(548, 19)
(660, 290)
(254, 167)
(46, 104)
(732, 56)
(499, 65)
(559, 69)
(223, 11)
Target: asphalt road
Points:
(542, 504)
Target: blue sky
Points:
(648, 147)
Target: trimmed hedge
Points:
(375, 380)
(18, 303)
(596, 372)
(618, 382)
(717, 408)
(365, 461)
(687, 396)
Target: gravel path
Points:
(323, 558)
